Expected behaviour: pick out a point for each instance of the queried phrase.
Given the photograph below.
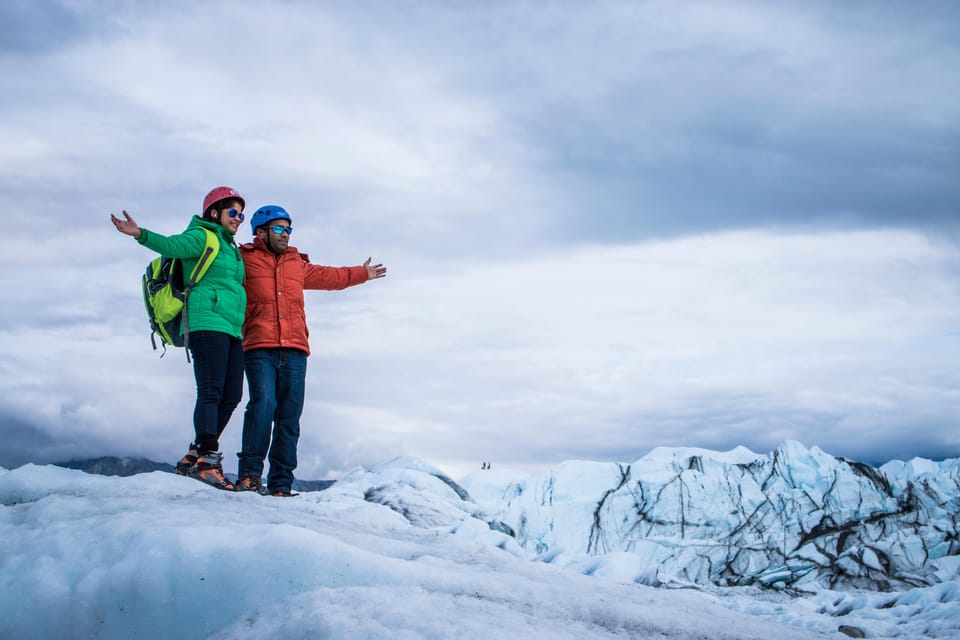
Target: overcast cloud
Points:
(609, 226)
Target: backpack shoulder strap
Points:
(210, 249)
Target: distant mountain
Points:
(113, 466)
(312, 485)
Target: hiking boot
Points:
(251, 484)
(188, 462)
(209, 470)
(283, 492)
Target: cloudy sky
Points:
(610, 226)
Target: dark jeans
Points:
(218, 369)
(276, 379)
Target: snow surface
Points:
(391, 552)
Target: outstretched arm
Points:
(335, 278)
(188, 244)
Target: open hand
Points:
(128, 226)
(373, 271)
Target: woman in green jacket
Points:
(216, 308)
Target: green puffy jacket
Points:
(218, 302)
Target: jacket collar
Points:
(260, 245)
(199, 223)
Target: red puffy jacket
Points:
(275, 284)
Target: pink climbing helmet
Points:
(221, 193)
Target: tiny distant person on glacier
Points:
(275, 346)
(216, 310)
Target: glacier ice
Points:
(797, 519)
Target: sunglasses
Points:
(278, 229)
(235, 213)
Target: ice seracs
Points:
(797, 518)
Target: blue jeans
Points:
(276, 380)
(218, 369)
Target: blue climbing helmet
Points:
(266, 214)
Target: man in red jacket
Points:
(275, 345)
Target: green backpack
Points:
(165, 294)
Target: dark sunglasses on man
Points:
(278, 229)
